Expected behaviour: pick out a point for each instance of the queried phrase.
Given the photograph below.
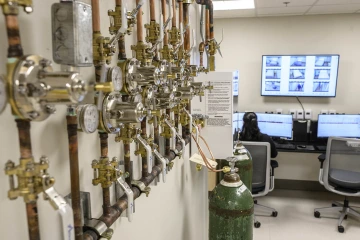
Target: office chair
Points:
(263, 175)
(340, 173)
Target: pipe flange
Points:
(24, 80)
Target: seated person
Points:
(251, 132)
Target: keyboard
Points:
(321, 148)
(285, 146)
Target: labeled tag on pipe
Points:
(196, 158)
(149, 157)
(65, 210)
(130, 197)
(164, 161)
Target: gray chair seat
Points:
(345, 178)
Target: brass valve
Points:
(166, 130)
(105, 171)
(10, 7)
(32, 178)
(115, 20)
(174, 36)
(102, 50)
(167, 54)
(127, 133)
(152, 32)
(131, 21)
(170, 165)
(141, 53)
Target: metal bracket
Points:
(164, 162)
(85, 206)
(130, 197)
(59, 203)
(149, 157)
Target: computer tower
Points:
(313, 132)
(300, 131)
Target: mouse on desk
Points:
(301, 146)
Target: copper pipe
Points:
(144, 159)
(181, 16)
(104, 148)
(139, 24)
(186, 23)
(174, 13)
(74, 174)
(104, 154)
(24, 138)
(163, 8)
(211, 19)
(122, 51)
(121, 42)
(106, 200)
(121, 205)
(201, 50)
(95, 15)
(127, 162)
(167, 141)
(33, 220)
(26, 153)
(152, 10)
(207, 25)
(12, 28)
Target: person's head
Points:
(250, 130)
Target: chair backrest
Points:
(260, 153)
(343, 154)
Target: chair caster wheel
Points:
(345, 217)
(257, 224)
(255, 201)
(341, 229)
(333, 205)
(274, 214)
(317, 214)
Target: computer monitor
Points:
(274, 125)
(339, 126)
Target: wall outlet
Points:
(332, 112)
(293, 113)
(278, 111)
(308, 114)
(299, 114)
(324, 111)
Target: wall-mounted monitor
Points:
(299, 75)
(339, 126)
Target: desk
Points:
(300, 151)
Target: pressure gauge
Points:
(3, 95)
(115, 76)
(88, 118)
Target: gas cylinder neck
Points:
(232, 178)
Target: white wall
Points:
(247, 39)
(173, 210)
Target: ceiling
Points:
(265, 8)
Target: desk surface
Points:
(311, 149)
(300, 151)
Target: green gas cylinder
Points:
(244, 165)
(231, 209)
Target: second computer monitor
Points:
(274, 125)
(339, 126)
